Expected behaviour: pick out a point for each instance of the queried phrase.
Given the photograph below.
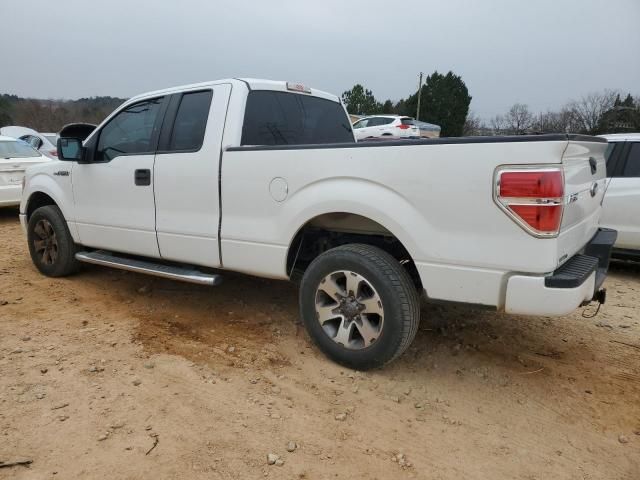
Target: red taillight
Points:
(534, 198)
(531, 184)
(403, 127)
(544, 218)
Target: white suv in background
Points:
(385, 126)
(621, 206)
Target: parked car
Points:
(15, 157)
(385, 126)
(45, 143)
(621, 206)
(265, 178)
(427, 130)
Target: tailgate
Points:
(585, 180)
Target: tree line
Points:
(52, 115)
(445, 101)
(593, 114)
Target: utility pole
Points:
(419, 95)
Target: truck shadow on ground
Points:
(249, 321)
(255, 322)
(9, 214)
(625, 269)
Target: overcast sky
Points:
(540, 52)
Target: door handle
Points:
(142, 177)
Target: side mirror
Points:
(70, 149)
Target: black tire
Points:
(390, 282)
(57, 257)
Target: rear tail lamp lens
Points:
(533, 198)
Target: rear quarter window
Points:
(281, 118)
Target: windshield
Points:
(16, 149)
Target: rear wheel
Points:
(359, 305)
(51, 246)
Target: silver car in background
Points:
(427, 130)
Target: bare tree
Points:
(588, 110)
(518, 119)
(473, 125)
(499, 125)
(555, 122)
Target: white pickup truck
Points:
(265, 178)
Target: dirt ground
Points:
(97, 368)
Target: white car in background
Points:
(621, 206)
(45, 143)
(378, 126)
(15, 157)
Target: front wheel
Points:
(51, 246)
(359, 306)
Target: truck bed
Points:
(435, 195)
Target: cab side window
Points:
(632, 166)
(131, 131)
(612, 157)
(191, 121)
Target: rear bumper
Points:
(570, 286)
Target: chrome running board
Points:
(184, 274)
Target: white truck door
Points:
(186, 174)
(113, 194)
(621, 206)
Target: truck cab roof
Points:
(250, 83)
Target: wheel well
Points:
(340, 228)
(37, 200)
